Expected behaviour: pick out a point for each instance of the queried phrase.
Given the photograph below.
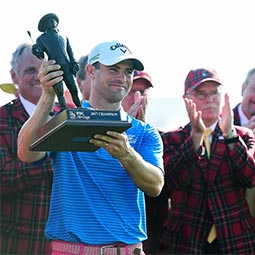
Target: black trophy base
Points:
(71, 129)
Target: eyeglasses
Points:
(201, 95)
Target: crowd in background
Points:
(207, 202)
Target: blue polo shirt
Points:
(94, 201)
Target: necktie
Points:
(212, 234)
(207, 133)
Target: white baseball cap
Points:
(111, 53)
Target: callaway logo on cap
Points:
(111, 53)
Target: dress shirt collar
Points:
(212, 127)
(29, 107)
(243, 119)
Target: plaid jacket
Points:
(249, 192)
(25, 190)
(205, 191)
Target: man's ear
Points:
(14, 77)
(243, 88)
(90, 69)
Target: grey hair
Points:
(15, 61)
(248, 76)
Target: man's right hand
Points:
(197, 124)
(138, 109)
(50, 74)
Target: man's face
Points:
(140, 85)
(207, 98)
(26, 78)
(248, 93)
(112, 83)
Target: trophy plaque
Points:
(71, 129)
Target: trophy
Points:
(71, 128)
(57, 47)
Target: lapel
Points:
(217, 156)
(18, 111)
(237, 120)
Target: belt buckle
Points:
(117, 247)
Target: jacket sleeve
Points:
(15, 174)
(242, 157)
(180, 158)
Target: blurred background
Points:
(170, 37)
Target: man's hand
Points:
(195, 116)
(197, 124)
(115, 143)
(138, 109)
(50, 74)
(226, 122)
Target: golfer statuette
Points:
(58, 47)
(76, 125)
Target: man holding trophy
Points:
(97, 202)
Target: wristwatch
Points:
(231, 137)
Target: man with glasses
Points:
(207, 174)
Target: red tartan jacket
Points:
(206, 191)
(25, 190)
(237, 121)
